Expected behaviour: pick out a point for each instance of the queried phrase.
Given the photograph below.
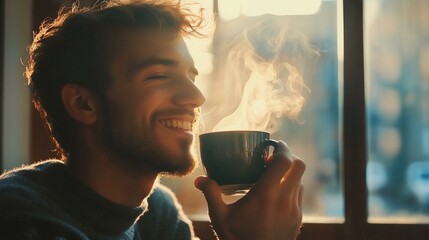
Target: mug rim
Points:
(233, 131)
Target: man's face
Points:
(150, 109)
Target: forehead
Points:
(139, 44)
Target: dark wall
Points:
(1, 79)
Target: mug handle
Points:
(266, 143)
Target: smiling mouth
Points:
(177, 124)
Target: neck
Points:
(113, 181)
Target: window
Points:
(397, 106)
(288, 51)
(368, 147)
(363, 129)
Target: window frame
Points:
(354, 150)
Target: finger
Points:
(296, 211)
(300, 203)
(300, 196)
(283, 148)
(212, 193)
(269, 160)
(296, 198)
(296, 171)
(300, 199)
(281, 162)
(292, 178)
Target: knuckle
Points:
(298, 163)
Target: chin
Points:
(184, 167)
(179, 162)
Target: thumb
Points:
(212, 193)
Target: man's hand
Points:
(271, 210)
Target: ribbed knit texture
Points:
(44, 200)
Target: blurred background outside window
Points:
(397, 80)
(286, 51)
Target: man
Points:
(116, 86)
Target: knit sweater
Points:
(45, 201)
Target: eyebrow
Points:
(139, 65)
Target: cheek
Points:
(144, 108)
(140, 103)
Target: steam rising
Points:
(262, 82)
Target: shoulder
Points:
(25, 187)
(18, 191)
(25, 205)
(28, 175)
(27, 192)
(29, 227)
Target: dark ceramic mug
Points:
(235, 159)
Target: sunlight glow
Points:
(200, 49)
(229, 10)
(232, 9)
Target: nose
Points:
(189, 95)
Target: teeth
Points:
(185, 125)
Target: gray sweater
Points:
(44, 201)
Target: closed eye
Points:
(157, 77)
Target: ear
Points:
(80, 103)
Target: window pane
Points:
(276, 49)
(397, 78)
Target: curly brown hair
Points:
(71, 49)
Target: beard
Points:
(142, 151)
